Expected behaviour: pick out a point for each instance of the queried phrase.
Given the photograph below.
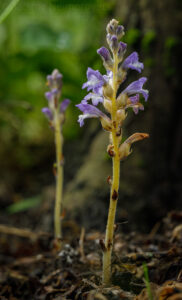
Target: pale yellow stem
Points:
(59, 177)
(106, 276)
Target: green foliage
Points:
(170, 48)
(147, 281)
(149, 62)
(5, 13)
(24, 205)
(148, 40)
(170, 43)
(132, 36)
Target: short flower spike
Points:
(55, 113)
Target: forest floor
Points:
(31, 267)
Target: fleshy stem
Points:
(59, 176)
(106, 276)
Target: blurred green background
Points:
(35, 38)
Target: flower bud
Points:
(114, 44)
(106, 123)
(106, 57)
(54, 81)
(108, 105)
(48, 113)
(121, 51)
(121, 115)
(112, 26)
(120, 31)
(121, 100)
(108, 91)
(121, 75)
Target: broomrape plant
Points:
(55, 113)
(104, 89)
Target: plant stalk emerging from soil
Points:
(105, 89)
(55, 112)
(59, 177)
(114, 184)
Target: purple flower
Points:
(55, 80)
(109, 76)
(95, 97)
(134, 103)
(52, 94)
(104, 53)
(48, 113)
(134, 99)
(64, 104)
(138, 107)
(106, 57)
(89, 111)
(136, 87)
(95, 80)
(121, 49)
(131, 62)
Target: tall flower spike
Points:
(55, 113)
(104, 91)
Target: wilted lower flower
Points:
(55, 112)
(107, 91)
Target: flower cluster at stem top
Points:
(104, 89)
(55, 110)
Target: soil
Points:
(32, 267)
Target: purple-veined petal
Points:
(109, 76)
(131, 62)
(64, 104)
(48, 113)
(106, 57)
(134, 99)
(96, 98)
(136, 87)
(95, 80)
(104, 53)
(89, 111)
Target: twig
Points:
(81, 244)
(25, 233)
